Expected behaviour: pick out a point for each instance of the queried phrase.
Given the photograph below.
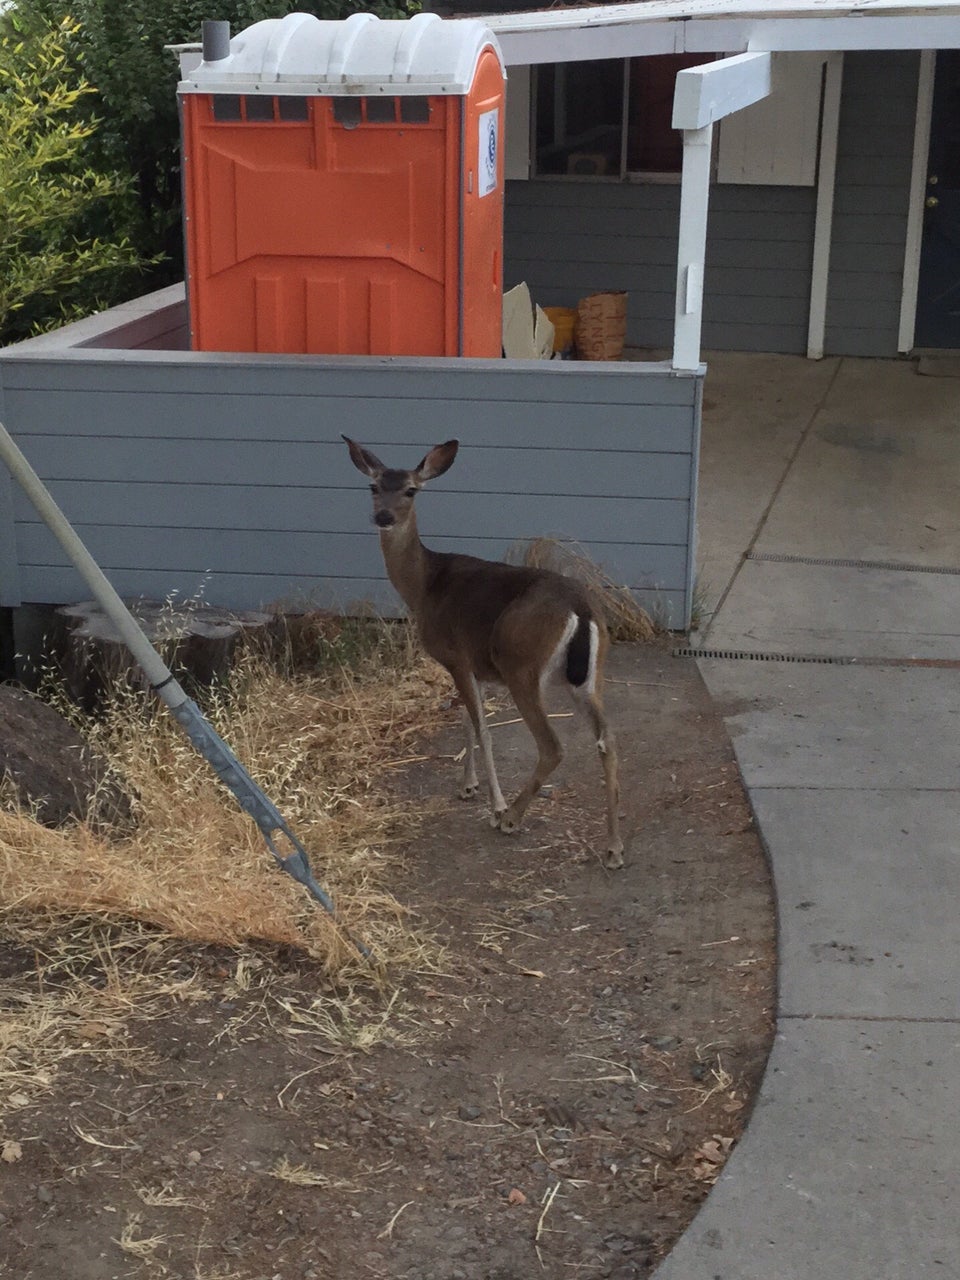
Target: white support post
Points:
(703, 95)
(692, 246)
(823, 224)
(919, 174)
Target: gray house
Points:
(834, 201)
(772, 177)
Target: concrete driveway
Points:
(830, 536)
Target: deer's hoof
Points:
(509, 822)
(469, 792)
(496, 818)
(614, 857)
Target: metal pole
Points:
(198, 729)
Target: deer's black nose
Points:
(384, 519)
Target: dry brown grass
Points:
(196, 866)
(625, 618)
(103, 926)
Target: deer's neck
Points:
(406, 559)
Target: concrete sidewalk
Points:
(850, 1167)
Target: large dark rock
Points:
(52, 768)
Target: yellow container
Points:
(563, 320)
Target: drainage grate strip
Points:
(820, 659)
(748, 655)
(898, 566)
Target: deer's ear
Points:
(364, 460)
(438, 460)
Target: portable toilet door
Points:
(343, 187)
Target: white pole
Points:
(919, 174)
(692, 246)
(823, 224)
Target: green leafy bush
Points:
(51, 190)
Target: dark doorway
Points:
(938, 298)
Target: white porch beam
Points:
(692, 246)
(706, 94)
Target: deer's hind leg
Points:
(471, 783)
(590, 702)
(526, 693)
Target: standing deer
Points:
(485, 621)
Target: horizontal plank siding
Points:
(874, 156)
(308, 468)
(347, 594)
(517, 516)
(665, 428)
(566, 239)
(227, 477)
(344, 379)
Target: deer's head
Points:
(394, 491)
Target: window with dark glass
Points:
(580, 117)
(585, 111)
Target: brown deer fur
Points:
(486, 621)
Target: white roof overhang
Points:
(723, 26)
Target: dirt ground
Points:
(556, 1102)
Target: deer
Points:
(489, 622)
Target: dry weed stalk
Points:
(625, 618)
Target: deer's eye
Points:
(374, 489)
(411, 493)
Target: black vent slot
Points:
(381, 110)
(348, 111)
(259, 109)
(226, 107)
(294, 108)
(415, 110)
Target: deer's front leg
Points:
(469, 691)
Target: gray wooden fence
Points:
(224, 476)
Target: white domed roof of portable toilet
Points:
(302, 55)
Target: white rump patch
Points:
(589, 685)
(555, 668)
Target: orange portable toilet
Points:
(343, 187)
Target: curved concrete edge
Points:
(835, 1176)
(850, 1160)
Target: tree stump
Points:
(198, 642)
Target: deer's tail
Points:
(582, 654)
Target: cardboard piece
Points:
(527, 330)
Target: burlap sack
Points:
(601, 326)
